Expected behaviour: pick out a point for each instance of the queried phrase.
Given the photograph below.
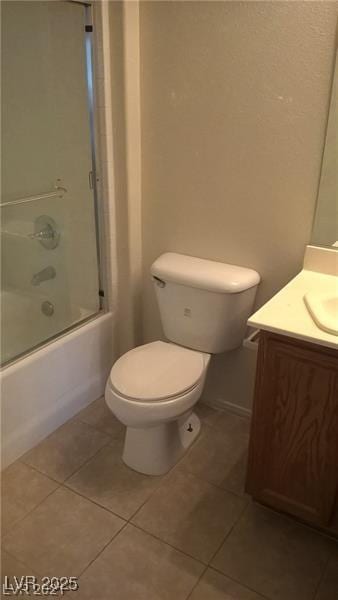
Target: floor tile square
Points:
(109, 482)
(64, 451)
(328, 588)
(22, 488)
(219, 458)
(190, 514)
(98, 415)
(274, 555)
(214, 586)
(62, 535)
(136, 566)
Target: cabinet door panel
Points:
(294, 439)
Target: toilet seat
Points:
(157, 371)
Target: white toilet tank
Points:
(204, 305)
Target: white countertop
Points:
(287, 314)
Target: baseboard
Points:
(231, 407)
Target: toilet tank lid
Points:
(204, 274)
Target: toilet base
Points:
(155, 450)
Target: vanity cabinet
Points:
(293, 454)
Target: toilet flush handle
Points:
(159, 281)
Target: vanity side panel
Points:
(293, 454)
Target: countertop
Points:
(287, 314)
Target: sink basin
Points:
(323, 308)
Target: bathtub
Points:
(43, 389)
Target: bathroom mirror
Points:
(325, 226)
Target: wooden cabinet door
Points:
(293, 456)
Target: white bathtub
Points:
(44, 389)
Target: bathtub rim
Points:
(72, 329)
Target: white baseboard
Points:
(231, 407)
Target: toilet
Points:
(204, 306)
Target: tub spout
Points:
(44, 275)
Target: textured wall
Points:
(234, 100)
(125, 169)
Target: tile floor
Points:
(70, 507)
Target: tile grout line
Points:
(21, 519)
(60, 484)
(21, 462)
(288, 519)
(169, 474)
(164, 477)
(71, 419)
(86, 462)
(151, 535)
(210, 566)
(242, 495)
(321, 578)
(108, 510)
(88, 500)
(244, 585)
(245, 508)
(197, 582)
(168, 544)
(107, 443)
(113, 438)
(162, 480)
(102, 550)
(129, 520)
(207, 566)
(15, 558)
(66, 486)
(99, 429)
(38, 471)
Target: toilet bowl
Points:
(152, 390)
(204, 306)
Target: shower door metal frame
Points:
(90, 80)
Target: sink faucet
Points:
(44, 275)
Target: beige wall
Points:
(234, 100)
(123, 329)
(126, 169)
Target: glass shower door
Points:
(50, 270)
